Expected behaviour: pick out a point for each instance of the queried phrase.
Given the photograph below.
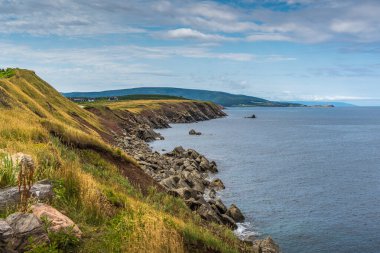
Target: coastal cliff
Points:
(182, 173)
(104, 177)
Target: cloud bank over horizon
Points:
(277, 49)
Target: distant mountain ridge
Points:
(324, 103)
(222, 98)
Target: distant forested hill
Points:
(222, 98)
(322, 103)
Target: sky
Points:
(275, 49)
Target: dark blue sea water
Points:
(309, 177)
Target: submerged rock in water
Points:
(253, 116)
(193, 132)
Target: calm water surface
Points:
(310, 177)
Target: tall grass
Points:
(8, 172)
(82, 140)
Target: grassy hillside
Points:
(135, 106)
(102, 189)
(222, 98)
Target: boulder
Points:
(228, 221)
(6, 234)
(186, 193)
(147, 134)
(170, 182)
(193, 132)
(212, 194)
(57, 221)
(191, 153)
(198, 185)
(193, 204)
(266, 245)
(204, 165)
(219, 205)
(26, 228)
(235, 213)
(179, 150)
(9, 197)
(213, 168)
(209, 214)
(217, 184)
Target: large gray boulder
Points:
(217, 184)
(177, 152)
(170, 182)
(186, 193)
(266, 245)
(213, 168)
(219, 205)
(57, 221)
(6, 234)
(209, 214)
(9, 197)
(21, 230)
(204, 165)
(235, 213)
(147, 134)
(228, 221)
(26, 228)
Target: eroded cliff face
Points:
(142, 124)
(186, 112)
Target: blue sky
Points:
(276, 49)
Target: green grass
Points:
(133, 97)
(8, 171)
(6, 73)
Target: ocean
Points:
(309, 177)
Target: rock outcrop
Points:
(9, 197)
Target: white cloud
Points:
(312, 22)
(349, 26)
(268, 37)
(187, 33)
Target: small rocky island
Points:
(253, 116)
(193, 132)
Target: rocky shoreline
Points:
(184, 173)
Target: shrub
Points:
(6, 73)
